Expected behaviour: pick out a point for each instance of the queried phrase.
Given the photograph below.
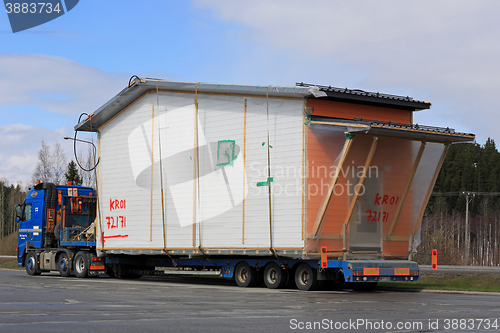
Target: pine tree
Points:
(72, 174)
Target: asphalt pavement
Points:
(50, 303)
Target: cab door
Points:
(31, 221)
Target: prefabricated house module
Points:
(228, 169)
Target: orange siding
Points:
(394, 159)
(323, 148)
(351, 111)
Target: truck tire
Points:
(31, 264)
(64, 264)
(245, 275)
(306, 278)
(275, 277)
(81, 264)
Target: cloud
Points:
(19, 149)
(41, 98)
(55, 84)
(445, 51)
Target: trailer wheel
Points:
(245, 275)
(64, 265)
(274, 276)
(306, 278)
(81, 265)
(32, 264)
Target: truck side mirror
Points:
(19, 212)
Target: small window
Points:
(27, 212)
(225, 152)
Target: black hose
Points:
(130, 80)
(74, 148)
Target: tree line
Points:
(10, 196)
(470, 172)
(468, 168)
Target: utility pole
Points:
(468, 199)
(467, 232)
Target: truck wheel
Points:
(274, 276)
(81, 265)
(306, 278)
(64, 265)
(32, 264)
(245, 275)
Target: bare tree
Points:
(16, 196)
(43, 169)
(87, 161)
(3, 183)
(10, 196)
(51, 167)
(59, 164)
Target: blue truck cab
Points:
(56, 229)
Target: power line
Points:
(467, 193)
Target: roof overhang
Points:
(403, 131)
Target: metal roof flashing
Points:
(369, 98)
(141, 86)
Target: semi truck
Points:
(271, 185)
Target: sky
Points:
(445, 52)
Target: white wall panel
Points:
(214, 203)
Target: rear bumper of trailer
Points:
(377, 270)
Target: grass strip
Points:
(460, 282)
(9, 263)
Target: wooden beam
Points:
(396, 238)
(195, 161)
(339, 124)
(326, 202)
(303, 216)
(152, 169)
(326, 236)
(244, 169)
(407, 188)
